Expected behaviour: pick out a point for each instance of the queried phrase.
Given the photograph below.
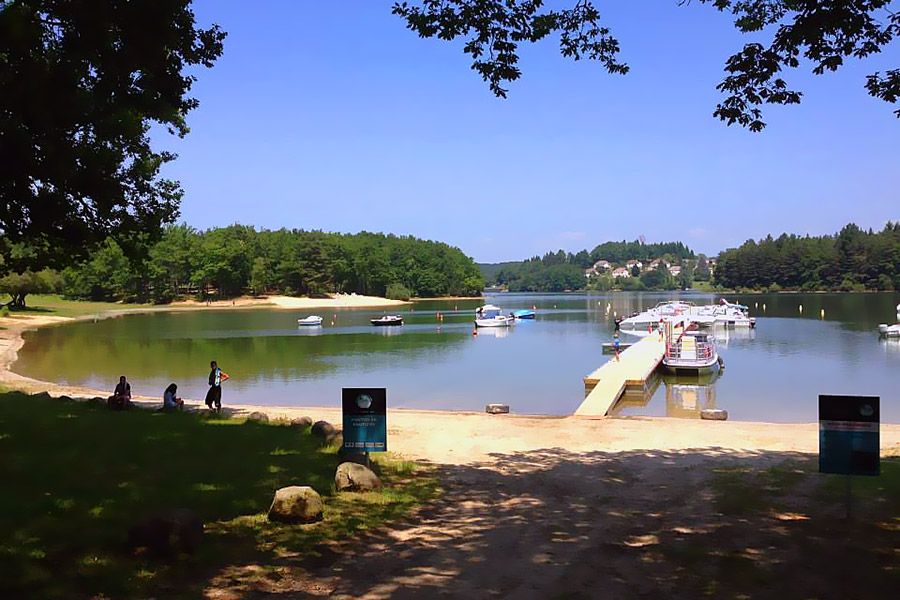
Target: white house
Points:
(602, 265)
(620, 273)
(657, 263)
(675, 270)
(630, 264)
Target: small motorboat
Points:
(310, 321)
(387, 320)
(491, 316)
(524, 313)
(885, 330)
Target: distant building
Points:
(602, 265)
(588, 273)
(675, 270)
(620, 273)
(657, 263)
(630, 264)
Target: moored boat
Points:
(524, 313)
(491, 316)
(691, 352)
(310, 321)
(387, 320)
(885, 330)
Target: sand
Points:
(290, 302)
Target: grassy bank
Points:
(53, 305)
(77, 476)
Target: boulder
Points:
(42, 396)
(714, 414)
(353, 477)
(324, 430)
(170, 532)
(496, 409)
(257, 417)
(296, 504)
(65, 399)
(97, 400)
(301, 422)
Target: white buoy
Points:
(822, 313)
(764, 306)
(801, 309)
(756, 305)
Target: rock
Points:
(301, 422)
(714, 414)
(65, 399)
(97, 400)
(296, 504)
(167, 533)
(258, 417)
(496, 409)
(42, 396)
(353, 477)
(324, 430)
(354, 456)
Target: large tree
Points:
(823, 32)
(81, 84)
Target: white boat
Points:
(650, 318)
(691, 352)
(885, 330)
(387, 321)
(310, 321)
(491, 316)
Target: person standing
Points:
(216, 377)
(616, 344)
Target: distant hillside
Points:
(561, 271)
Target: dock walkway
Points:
(604, 386)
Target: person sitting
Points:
(170, 400)
(121, 398)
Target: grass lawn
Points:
(51, 304)
(76, 476)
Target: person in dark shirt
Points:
(214, 395)
(121, 398)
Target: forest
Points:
(851, 260)
(230, 261)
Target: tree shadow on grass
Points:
(76, 477)
(693, 524)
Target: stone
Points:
(258, 417)
(325, 431)
(301, 422)
(714, 414)
(42, 396)
(97, 400)
(65, 399)
(296, 504)
(353, 477)
(496, 409)
(167, 533)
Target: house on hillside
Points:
(657, 263)
(620, 273)
(602, 265)
(675, 270)
(588, 273)
(630, 264)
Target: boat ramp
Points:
(636, 364)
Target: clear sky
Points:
(333, 116)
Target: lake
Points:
(773, 373)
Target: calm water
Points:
(772, 374)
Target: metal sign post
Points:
(849, 438)
(365, 419)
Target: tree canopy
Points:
(822, 32)
(82, 82)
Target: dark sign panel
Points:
(365, 419)
(848, 435)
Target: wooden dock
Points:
(604, 386)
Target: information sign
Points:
(365, 419)
(848, 435)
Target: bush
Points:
(397, 291)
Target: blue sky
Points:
(331, 115)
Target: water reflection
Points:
(494, 332)
(686, 397)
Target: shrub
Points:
(398, 291)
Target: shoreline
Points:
(461, 437)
